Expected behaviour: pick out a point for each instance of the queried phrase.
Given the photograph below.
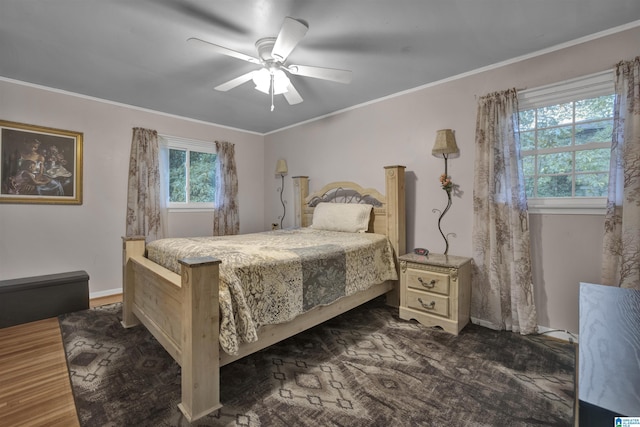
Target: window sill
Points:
(567, 211)
(581, 206)
(194, 209)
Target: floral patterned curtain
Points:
(226, 219)
(621, 257)
(143, 195)
(502, 296)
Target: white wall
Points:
(356, 144)
(47, 239)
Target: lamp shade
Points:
(445, 143)
(281, 167)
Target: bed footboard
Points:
(182, 313)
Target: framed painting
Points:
(40, 165)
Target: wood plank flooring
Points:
(34, 381)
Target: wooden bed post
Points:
(300, 193)
(396, 214)
(132, 246)
(200, 337)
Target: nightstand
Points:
(435, 290)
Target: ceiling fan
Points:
(273, 52)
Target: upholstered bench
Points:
(34, 298)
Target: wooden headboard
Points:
(388, 216)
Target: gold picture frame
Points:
(40, 165)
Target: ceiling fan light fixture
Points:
(280, 82)
(262, 79)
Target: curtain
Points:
(502, 296)
(621, 246)
(226, 218)
(143, 194)
(163, 158)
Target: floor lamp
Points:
(281, 169)
(444, 146)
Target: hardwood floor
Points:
(35, 387)
(105, 300)
(33, 373)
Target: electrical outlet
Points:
(274, 226)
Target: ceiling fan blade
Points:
(333, 74)
(235, 82)
(223, 50)
(291, 32)
(292, 96)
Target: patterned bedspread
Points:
(271, 277)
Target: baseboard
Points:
(107, 293)
(483, 323)
(560, 334)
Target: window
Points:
(191, 173)
(565, 139)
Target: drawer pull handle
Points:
(429, 285)
(429, 306)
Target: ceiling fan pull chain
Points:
(272, 92)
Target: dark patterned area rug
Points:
(364, 368)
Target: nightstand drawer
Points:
(428, 281)
(428, 303)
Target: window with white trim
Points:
(565, 134)
(190, 170)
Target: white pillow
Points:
(349, 217)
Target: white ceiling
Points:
(135, 52)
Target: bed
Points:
(182, 290)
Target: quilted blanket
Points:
(271, 277)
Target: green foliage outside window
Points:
(202, 176)
(177, 176)
(195, 177)
(565, 148)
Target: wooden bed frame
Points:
(182, 312)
